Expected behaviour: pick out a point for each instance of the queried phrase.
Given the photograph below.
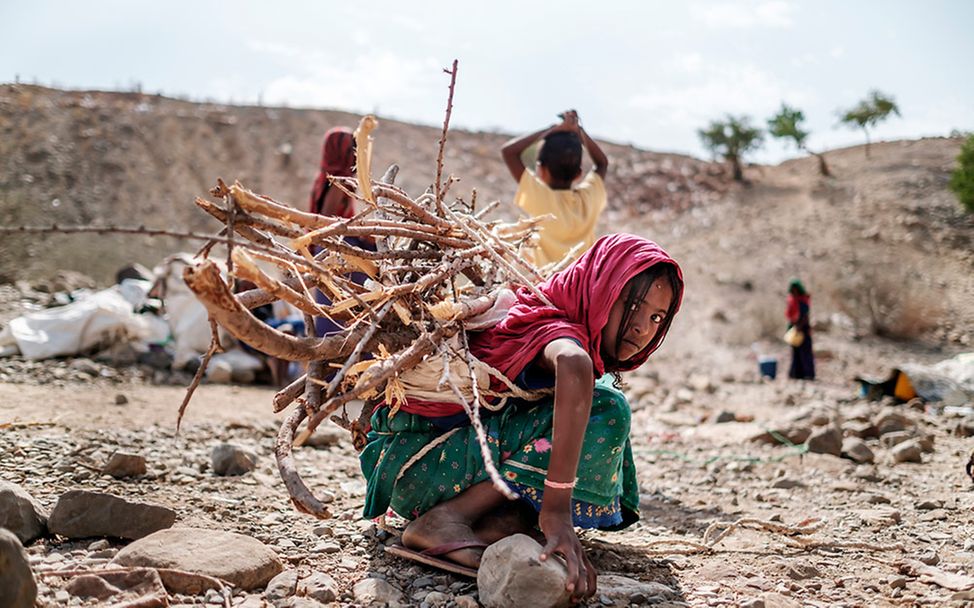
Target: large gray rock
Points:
(17, 586)
(375, 591)
(856, 450)
(512, 574)
(230, 459)
(241, 560)
(20, 513)
(81, 514)
(826, 440)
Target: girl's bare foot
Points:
(439, 526)
(512, 518)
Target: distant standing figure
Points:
(549, 189)
(337, 160)
(798, 311)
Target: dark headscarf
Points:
(338, 160)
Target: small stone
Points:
(437, 598)
(908, 451)
(725, 416)
(423, 581)
(327, 547)
(621, 588)
(754, 602)
(895, 438)
(965, 427)
(803, 571)
(326, 437)
(929, 505)
(856, 450)
(891, 421)
(122, 464)
(281, 586)
(21, 513)
(897, 582)
(930, 558)
(861, 429)
(121, 399)
(99, 545)
(466, 601)
(318, 586)
(826, 440)
(374, 590)
(793, 434)
(228, 459)
(787, 483)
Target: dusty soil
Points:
(885, 226)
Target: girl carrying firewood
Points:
(568, 455)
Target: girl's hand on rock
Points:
(562, 541)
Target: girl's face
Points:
(623, 343)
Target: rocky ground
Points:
(887, 475)
(882, 245)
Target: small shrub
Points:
(962, 179)
(888, 303)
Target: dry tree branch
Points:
(198, 376)
(442, 143)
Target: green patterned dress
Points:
(412, 465)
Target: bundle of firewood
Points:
(436, 263)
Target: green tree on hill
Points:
(732, 138)
(869, 112)
(962, 179)
(787, 124)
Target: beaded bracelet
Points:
(559, 485)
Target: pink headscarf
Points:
(337, 159)
(583, 295)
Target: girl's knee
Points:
(611, 406)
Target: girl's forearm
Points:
(574, 382)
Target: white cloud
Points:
(402, 86)
(717, 89)
(745, 14)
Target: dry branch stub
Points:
(435, 266)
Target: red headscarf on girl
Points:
(583, 295)
(337, 159)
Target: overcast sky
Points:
(646, 72)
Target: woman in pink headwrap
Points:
(567, 457)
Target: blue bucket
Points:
(768, 367)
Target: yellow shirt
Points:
(575, 212)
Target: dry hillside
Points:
(86, 157)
